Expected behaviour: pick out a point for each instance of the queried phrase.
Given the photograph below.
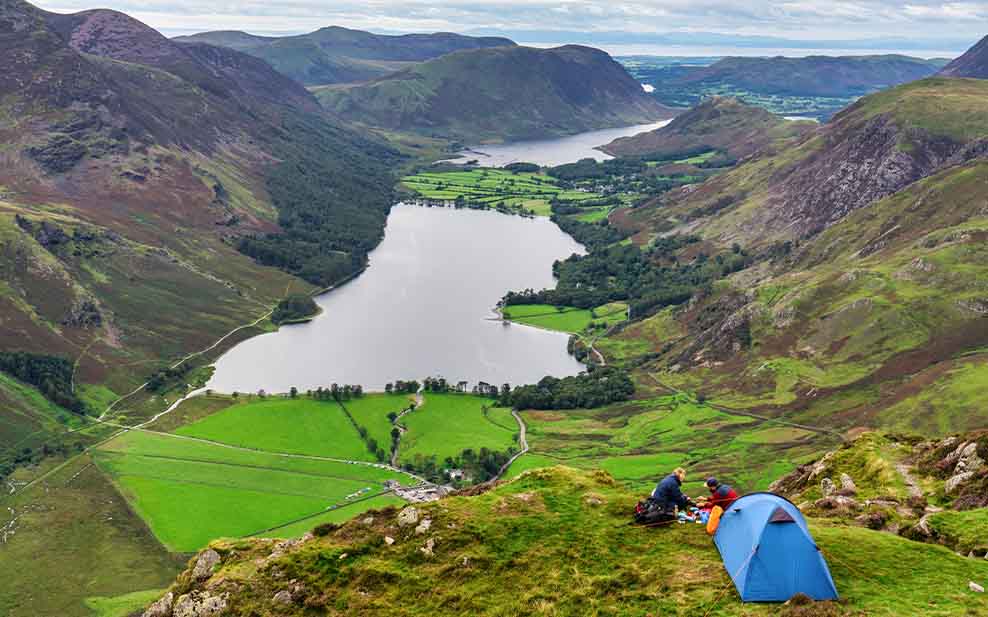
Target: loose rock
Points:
(423, 526)
(389, 540)
(408, 516)
(976, 588)
(827, 487)
(427, 549)
(283, 597)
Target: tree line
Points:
(597, 387)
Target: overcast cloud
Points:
(927, 21)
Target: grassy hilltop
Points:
(556, 542)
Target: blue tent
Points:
(769, 553)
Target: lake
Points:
(424, 307)
(550, 152)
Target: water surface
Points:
(422, 308)
(550, 152)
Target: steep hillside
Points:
(553, 542)
(719, 123)
(341, 55)
(860, 306)
(134, 168)
(974, 63)
(500, 93)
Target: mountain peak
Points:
(973, 63)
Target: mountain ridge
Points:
(339, 55)
(480, 95)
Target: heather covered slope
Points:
(719, 123)
(341, 55)
(974, 63)
(861, 306)
(134, 168)
(553, 542)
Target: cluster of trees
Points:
(647, 279)
(51, 375)
(402, 387)
(160, 380)
(598, 387)
(588, 168)
(477, 465)
(333, 190)
(522, 168)
(293, 308)
(335, 392)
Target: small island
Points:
(296, 308)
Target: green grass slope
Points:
(191, 492)
(556, 542)
(500, 93)
(447, 424)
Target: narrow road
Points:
(419, 402)
(522, 444)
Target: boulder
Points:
(367, 522)
(283, 597)
(956, 480)
(847, 486)
(389, 540)
(827, 487)
(161, 608)
(837, 502)
(976, 588)
(200, 604)
(408, 516)
(423, 526)
(205, 564)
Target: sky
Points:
(916, 24)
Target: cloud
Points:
(800, 19)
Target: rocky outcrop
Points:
(207, 561)
(407, 517)
(161, 608)
(720, 329)
(200, 604)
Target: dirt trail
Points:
(522, 444)
(907, 477)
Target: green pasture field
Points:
(567, 318)
(191, 492)
(371, 412)
(124, 605)
(296, 426)
(639, 442)
(447, 424)
(529, 192)
(340, 515)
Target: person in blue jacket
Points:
(668, 494)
